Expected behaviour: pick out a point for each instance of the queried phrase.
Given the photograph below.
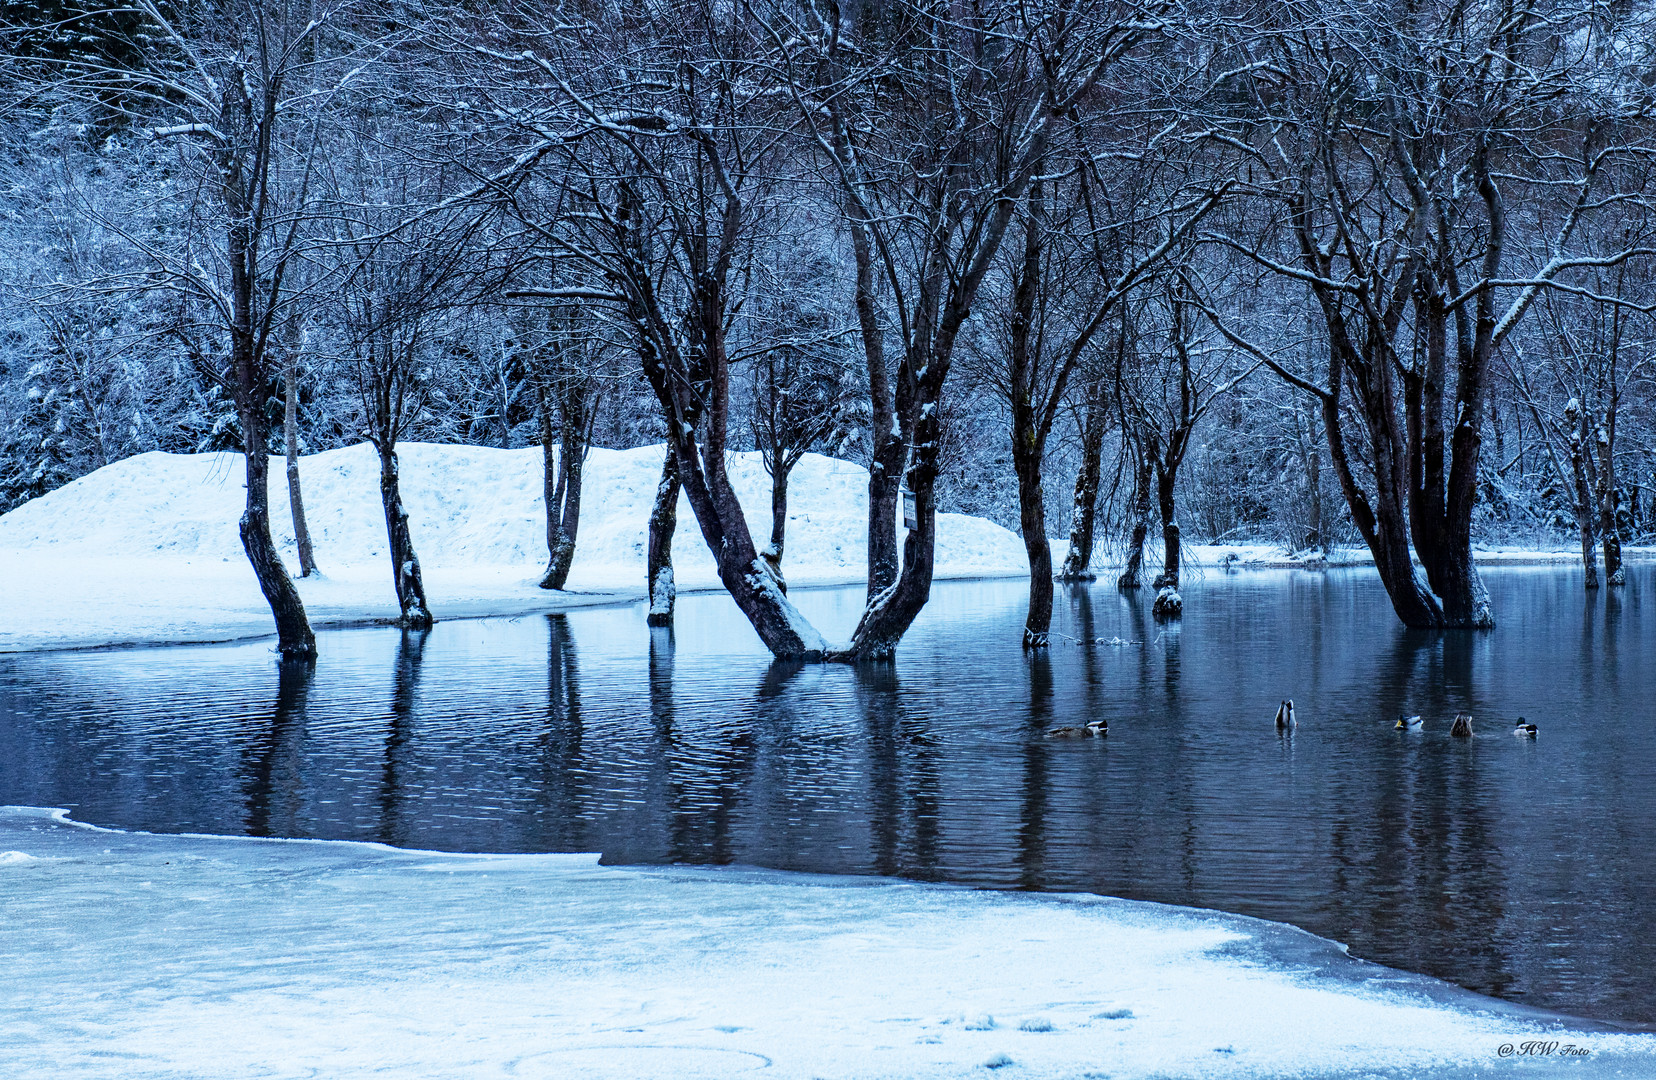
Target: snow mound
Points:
(474, 507)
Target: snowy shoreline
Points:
(362, 960)
(145, 551)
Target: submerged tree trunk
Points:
(294, 639)
(1169, 577)
(1130, 576)
(290, 439)
(1032, 521)
(1609, 498)
(405, 564)
(562, 493)
(1088, 478)
(659, 560)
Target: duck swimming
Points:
(1524, 730)
(1095, 729)
(1285, 716)
(1462, 727)
(1408, 723)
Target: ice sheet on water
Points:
(150, 955)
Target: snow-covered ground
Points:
(136, 955)
(146, 549)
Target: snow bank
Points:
(214, 957)
(146, 549)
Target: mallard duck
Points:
(1285, 715)
(1523, 729)
(1462, 727)
(1408, 723)
(1095, 729)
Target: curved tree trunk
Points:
(294, 639)
(296, 501)
(405, 564)
(659, 560)
(724, 528)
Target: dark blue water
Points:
(1519, 869)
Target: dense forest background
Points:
(1297, 272)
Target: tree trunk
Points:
(290, 438)
(1028, 447)
(405, 564)
(724, 528)
(563, 497)
(1609, 496)
(294, 639)
(1088, 478)
(779, 522)
(1169, 577)
(1129, 578)
(1316, 531)
(1579, 466)
(663, 522)
(1032, 521)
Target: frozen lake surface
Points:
(207, 957)
(1525, 870)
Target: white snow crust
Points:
(147, 549)
(137, 955)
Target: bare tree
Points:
(1392, 145)
(1161, 406)
(239, 88)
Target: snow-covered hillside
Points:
(147, 548)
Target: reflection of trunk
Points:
(663, 521)
(405, 565)
(1580, 466)
(1088, 479)
(293, 633)
(1129, 578)
(563, 494)
(1609, 495)
(290, 438)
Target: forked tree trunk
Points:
(563, 494)
(294, 639)
(1130, 575)
(405, 564)
(290, 439)
(659, 560)
(1088, 478)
